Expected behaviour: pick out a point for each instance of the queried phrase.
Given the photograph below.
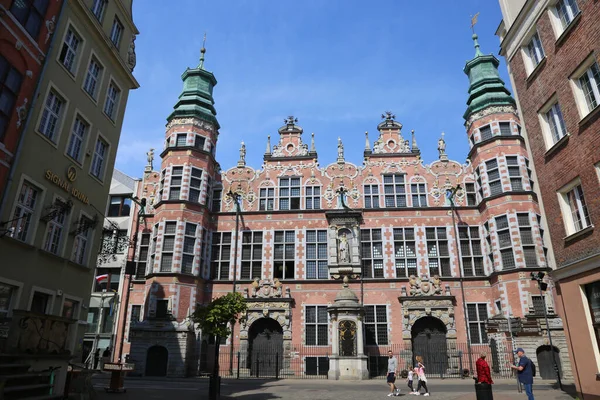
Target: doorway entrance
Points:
(545, 362)
(429, 342)
(265, 348)
(156, 361)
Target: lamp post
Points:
(142, 204)
(236, 198)
(539, 277)
(450, 195)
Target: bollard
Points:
(257, 367)
(276, 365)
(460, 370)
(238, 367)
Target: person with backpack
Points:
(525, 370)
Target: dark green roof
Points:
(196, 98)
(486, 87)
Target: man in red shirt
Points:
(483, 370)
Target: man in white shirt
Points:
(391, 375)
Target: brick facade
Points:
(276, 202)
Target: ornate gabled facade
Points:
(385, 228)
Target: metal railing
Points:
(441, 360)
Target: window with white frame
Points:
(68, 53)
(376, 325)
(284, 255)
(470, 251)
(526, 233)
(98, 8)
(555, 124)
(50, 121)
(289, 193)
(7, 293)
(537, 306)
(92, 78)
(405, 252)
(251, 255)
(477, 316)
(215, 205)
(153, 246)
(77, 138)
(485, 132)
(505, 129)
(112, 99)
(82, 238)
(316, 326)
(316, 254)
(394, 187)
(589, 83)
(437, 251)
(313, 197)
(199, 142)
(10, 86)
(195, 185)
(168, 246)
(99, 159)
(54, 232)
(175, 183)
(567, 10)
(204, 251)
(479, 182)
(22, 219)
(372, 253)
(40, 302)
(70, 309)
(514, 173)
(471, 194)
(535, 51)
(143, 252)
(266, 199)
(189, 244)
(576, 214)
(493, 174)
(505, 242)
(419, 194)
(181, 140)
(529, 174)
(220, 255)
(116, 32)
(371, 193)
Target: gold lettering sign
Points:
(66, 186)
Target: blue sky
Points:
(334, 64)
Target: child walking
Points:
(411, 373)
(422, 379)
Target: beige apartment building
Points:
(51, 216)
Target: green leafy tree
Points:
(215, 317)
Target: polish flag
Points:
(101, 278)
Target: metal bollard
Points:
(238, 366)
(257, 367)
(276, 365)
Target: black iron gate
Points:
(265, 348)
(429, 342)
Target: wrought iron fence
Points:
(442, 360)
(307, 362)
(446, 360)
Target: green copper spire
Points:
(196, 98)
(486, 87)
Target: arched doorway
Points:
(156, 361)
(265, 347)
(429, 342)
(545, 362)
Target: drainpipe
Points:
(17, 155)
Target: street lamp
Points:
(236, 197)
(450, 193)
(128, 270)
(539, 277)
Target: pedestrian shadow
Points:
(569, 388)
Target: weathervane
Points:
(474, 21)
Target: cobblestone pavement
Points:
(194, 388)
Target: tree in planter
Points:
(216, 318)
